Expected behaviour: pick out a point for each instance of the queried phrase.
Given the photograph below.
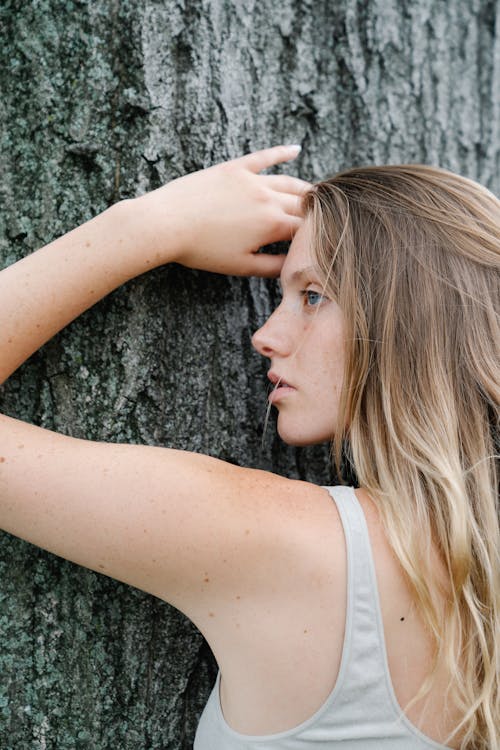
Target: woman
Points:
(326, 618)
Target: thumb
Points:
(266, 265)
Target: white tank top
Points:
(361, 712)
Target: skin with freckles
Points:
(303, 339)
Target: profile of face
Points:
(304, 340)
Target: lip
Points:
(278, 393)
(275, 378)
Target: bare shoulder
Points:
(277, 531)
(279, 592)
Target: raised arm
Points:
(188, 528)
(215, 220)
(46, 290)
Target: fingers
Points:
(290, 204)
(259, 160)
(268, 266)
(286, 228)
(293, 224)
(263, 264)
(286, 184)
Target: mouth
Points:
(277, 380)
(281, 387)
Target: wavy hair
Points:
(411, 253)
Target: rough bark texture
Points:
(105, 99)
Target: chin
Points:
(299, 442)
(301, 438)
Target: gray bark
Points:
(104, 100)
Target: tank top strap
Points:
(364, 685)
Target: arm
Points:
(46, 290)
(185, 221)
(184, 527)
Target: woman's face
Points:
(303, 339)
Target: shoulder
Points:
(274, 534)
(284, 567)
(300, 504)
(268, 519)
(287, 509)
(299, 515)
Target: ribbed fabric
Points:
(361, 712)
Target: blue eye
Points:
(313, 299)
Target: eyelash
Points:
(305, 295)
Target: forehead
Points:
(299, 260)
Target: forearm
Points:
(46, 290)
(214, 220)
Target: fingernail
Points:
(295, 147)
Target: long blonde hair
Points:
(411, 253)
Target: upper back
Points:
(336, 654)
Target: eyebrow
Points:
(300, 273)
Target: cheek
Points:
(332, 362)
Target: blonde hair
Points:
(411, 253)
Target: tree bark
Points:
(104, 100)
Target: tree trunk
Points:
(104, 100)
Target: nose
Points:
(273, 338)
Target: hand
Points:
(216, 219)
